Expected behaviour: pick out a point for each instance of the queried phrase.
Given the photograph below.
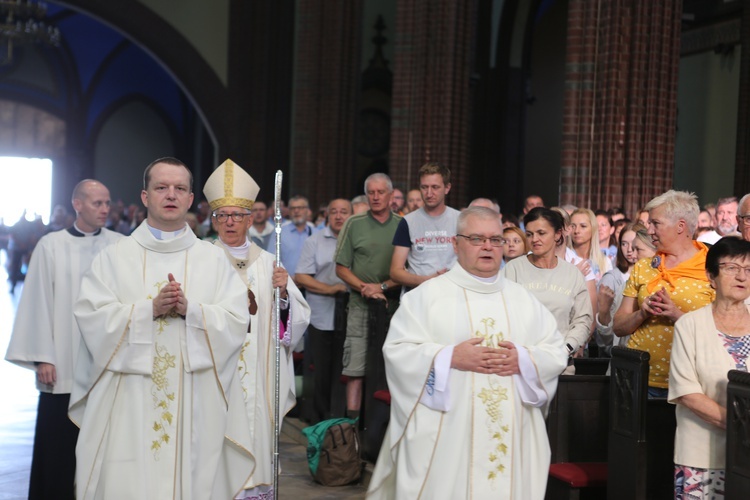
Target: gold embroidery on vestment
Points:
(242, 368)
(163, 361)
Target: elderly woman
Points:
(673, 283)
(630, 250)
(516, 244)
(558, 285)
(707, 344)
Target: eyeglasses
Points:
(236, 217)
(478, 241)
(734, 269)
(303, 207)
(744, 219)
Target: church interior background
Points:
(597, 104)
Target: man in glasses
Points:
(423, 243)
(46, 337)
(231, 192)
(156, 390)
(471, 360)
(293, 233)
(743, 217)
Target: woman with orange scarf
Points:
(661, 290)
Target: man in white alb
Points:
(46, 337)
(156, 393)
(472, 361)
(231, 192)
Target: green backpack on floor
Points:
(333, 453)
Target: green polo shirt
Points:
(365, 247)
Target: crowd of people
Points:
(139, 341)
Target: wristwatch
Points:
(384, 286)
(570, 349)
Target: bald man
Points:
(46, 336)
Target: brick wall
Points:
(430, 114)
(327, 69)
(620, 102)
(742, 163)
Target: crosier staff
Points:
(276, 332)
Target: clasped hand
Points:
(661, 304)
(170, 298)
(470, 356)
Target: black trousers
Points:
(53, 463)
(329, 394)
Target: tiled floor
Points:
(18, 412)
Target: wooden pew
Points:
(737, 484)
(577, 426)
(641, 436)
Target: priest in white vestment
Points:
(231, 193)
(156, 392)
(46, 337)
(472, 361)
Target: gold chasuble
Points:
(489, 440)
(158, 399)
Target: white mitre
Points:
(230, 186)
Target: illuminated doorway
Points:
(26, 189)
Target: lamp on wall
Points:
(22, 22)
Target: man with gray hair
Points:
(743, 217)
(472, 359)
(726, 221)
(363, 261)
(327, 296)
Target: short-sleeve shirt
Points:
(365, 247)
(317, 261)
(429, 239)
(655, 334)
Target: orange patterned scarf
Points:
(694, 267)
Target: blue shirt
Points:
(292, 241)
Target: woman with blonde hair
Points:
(566, 253)
(585, 241)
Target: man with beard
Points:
(726, 221)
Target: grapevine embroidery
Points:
(242, 368)
(491, 397)
(163, 361)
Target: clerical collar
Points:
(491, 279)
(239, 252)
(76, 231)
(462, 278)
(165, 235)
